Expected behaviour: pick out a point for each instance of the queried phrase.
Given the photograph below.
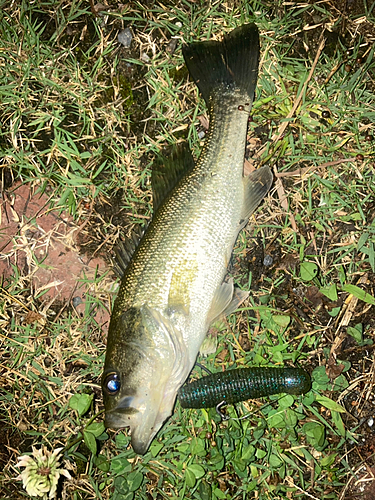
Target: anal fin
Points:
(256, 186)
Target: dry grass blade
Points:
(300, 172)
(279, 185)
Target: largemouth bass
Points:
(173, 287)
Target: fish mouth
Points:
(141, 435)
(145, 415)
(140, 447)
(146, 398)
(121, 416)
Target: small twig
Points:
(283, 198)
(12, 297)
(297, 102)
(283, 126)
(302, 171)
(93, 9)
(15, 372)
(292, 483)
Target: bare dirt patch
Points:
(39, 242)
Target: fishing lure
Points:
(233, 386)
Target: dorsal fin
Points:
(168, 171)
(124, 251)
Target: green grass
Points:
(82, 120)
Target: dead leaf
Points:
(32, 317)
(333, 370)
(289, 262)
(314, 296)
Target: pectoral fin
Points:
(227, 299)
(222, 299)
(256, 186)
(238, 297)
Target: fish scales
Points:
(199, 239)
(173, 287)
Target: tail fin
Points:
(232, 63)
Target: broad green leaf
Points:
(90, 441)
(97, 428)
(286, 401)
(260, 453)
(205, 490)
(334, 312)
(155, 448)
(121, 485)
(254, 471)
(275, 461)
(280, 347)
(362, 241)
(219, 494)
(134, 480)
(336, 417)
(340, 383)
(120, 465)
(328, 460)
(252, 486)
(277, 357)
(355, 333)
(330, 292)
(197, 470)
(198, 448)
(81, 403)
(248, 452)
(190, 478)
(281, 320)
(277, 420)
(238, 464)
(123, 496)
(359, 293)
(308, 270)
(102, 463)
(122, 441)
(308, 399)
(217, 462)
(328, 403)
(315, 433)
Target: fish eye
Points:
(112, 383)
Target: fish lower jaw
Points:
(117, 420)
(144, 417)
(140, 437)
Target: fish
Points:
(173, 286)
(233, 386)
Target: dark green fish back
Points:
(233, 386)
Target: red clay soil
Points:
(41, 242)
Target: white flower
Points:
(42, 472)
